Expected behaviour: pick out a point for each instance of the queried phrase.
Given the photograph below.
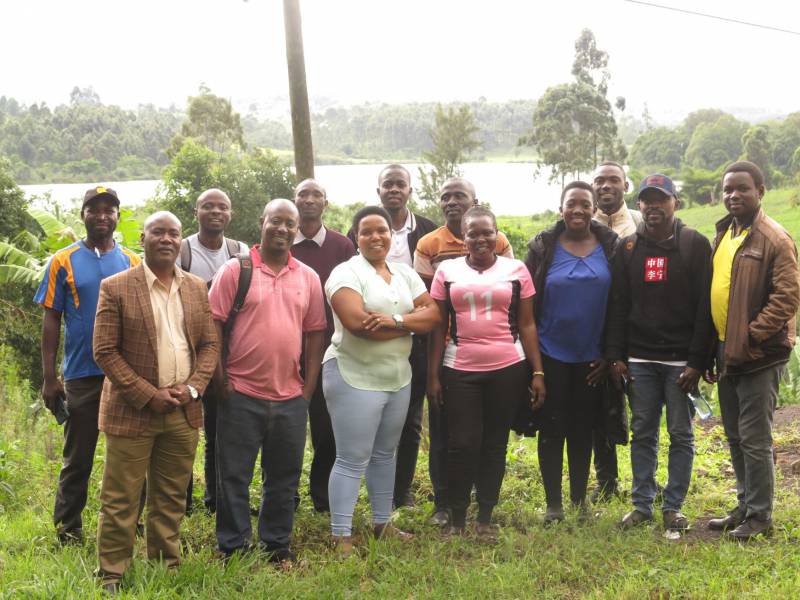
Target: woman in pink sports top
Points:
(481, 371)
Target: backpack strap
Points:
(685, 241)
(242, 287)
(185, 256)
(233, 247)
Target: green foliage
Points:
(658, 148)
(700, 186)
(573, 124)
(12, 202)
(454, 136)
(84, 140)
(756, 147)
(250, 180)
(713, 144)
(785, 141)
(212, 121)
(340, 218)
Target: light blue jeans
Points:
(367, 427)
(654, 386)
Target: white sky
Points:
(149, 51)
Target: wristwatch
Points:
(193, 392)
(398, 320)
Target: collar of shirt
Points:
(151, 278)
(409, 225)
(318, 239)
(255, 256)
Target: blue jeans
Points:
(367, 425)
(246, 425)
(654, 385)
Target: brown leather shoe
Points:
(750, 528)
(731, 521)
(675, 520)
(634, 519)
(387, 530)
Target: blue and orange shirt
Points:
(71, 285)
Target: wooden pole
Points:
(298, 92)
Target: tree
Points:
(12, 202)
(454, 136)
(658, 148)
(785, 140)
(704, 115)
(250, 180)
(713, 144)
(756, 148)
(573, 124)
(212, 121)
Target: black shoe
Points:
(211, 507)
(283, 558)
(406, 500)
(111, 588)
(674, 520)
(731, 521)
(553, 515)
(751, 528)
(322, 509)
(440, 517)
(73, 537)
(604, 492)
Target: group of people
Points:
(352, 332)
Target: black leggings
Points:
(568, 415)
(480, 409)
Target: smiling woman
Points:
(366, 375)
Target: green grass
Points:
(782, 205)
(594, 560)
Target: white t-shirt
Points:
(206, 262)
(371, 364)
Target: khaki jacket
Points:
(764, 296)
(125, 348)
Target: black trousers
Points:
(480, 410)
(568, 415)
(605, 458)
(210, 456)
(80, 441)
(324, 449)
(408, 448)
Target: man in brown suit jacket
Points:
(155, 340)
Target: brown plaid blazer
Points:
(125, 348)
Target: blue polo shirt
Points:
(71, 285)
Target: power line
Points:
(699, 14)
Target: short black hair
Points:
(368, 211)
(612, 163)
(579, 185)
(394, 167)
(479, 211)
(745, 166)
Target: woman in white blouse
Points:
(366, 375)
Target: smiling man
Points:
(321, 249)
(203, 254)
(70, 288)
(265, 398)
(657, 337)
(155, 341)
(755, 293)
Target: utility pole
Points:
(298, 92)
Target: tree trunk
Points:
(298, 92)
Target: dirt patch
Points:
(787, 417)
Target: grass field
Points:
(572, 560)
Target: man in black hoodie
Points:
(657, 339)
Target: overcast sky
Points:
(149, 51)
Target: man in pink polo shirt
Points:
(265, 402)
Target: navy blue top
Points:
(573, 307)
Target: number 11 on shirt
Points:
(473, 310)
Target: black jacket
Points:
(542, 248)
(661, 313)
(423, 227)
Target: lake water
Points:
(509, 188)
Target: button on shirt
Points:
(172, 347)
(400, 252)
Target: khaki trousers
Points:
(164, 454)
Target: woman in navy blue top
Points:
(569, 264)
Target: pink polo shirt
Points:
(267, 337)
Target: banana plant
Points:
(24, 258)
